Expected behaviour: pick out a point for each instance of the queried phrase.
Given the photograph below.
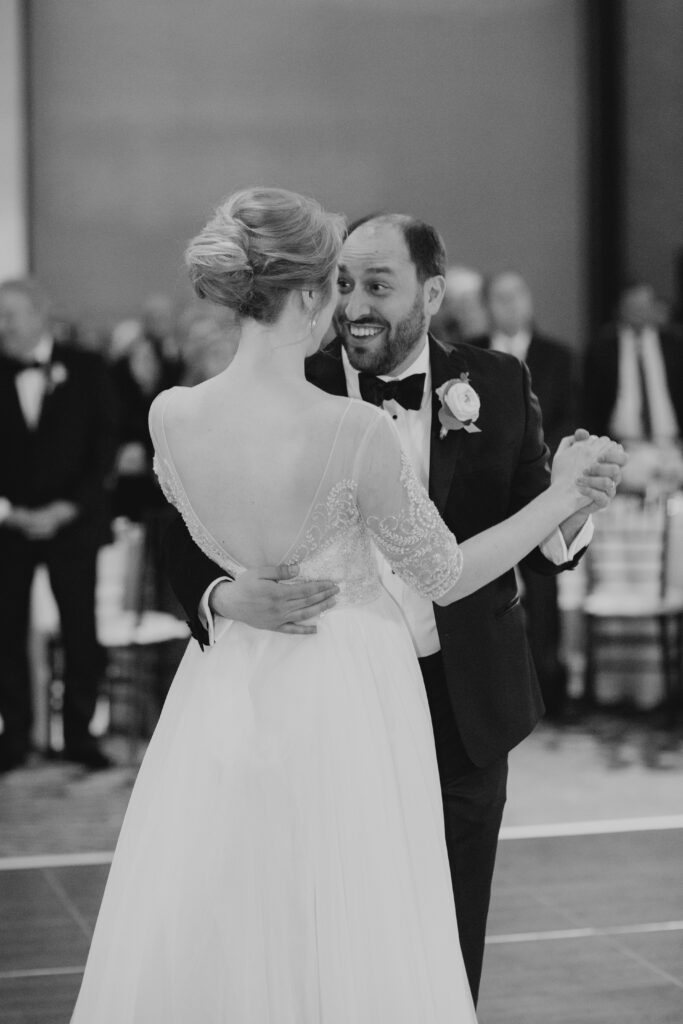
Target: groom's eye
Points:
(343, 286)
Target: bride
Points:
(283, 857)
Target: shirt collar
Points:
(420, 364)
(647, 336)
(514, 343)
(42, 353)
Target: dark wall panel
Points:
(654, 138)
(148, 111)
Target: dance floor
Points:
(586, 924)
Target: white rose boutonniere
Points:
(460, 406)
(57, 374)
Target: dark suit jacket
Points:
(476, 480)
(601, 377)
(552, 367)
(69, 454)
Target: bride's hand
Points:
(578, 471)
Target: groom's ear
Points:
(434, 289)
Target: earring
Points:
(313, 323)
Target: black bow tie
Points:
(17, 366)
(407, 392)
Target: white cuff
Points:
(205, 613)
(555, 547)
(5, 509)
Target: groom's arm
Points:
(532, 476)
(259, 597)
(190, 573)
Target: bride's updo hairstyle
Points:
(260, 245)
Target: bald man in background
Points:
(509, 307)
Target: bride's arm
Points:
(410, 533)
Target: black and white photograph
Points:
(341, 512)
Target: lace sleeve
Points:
(403, 521)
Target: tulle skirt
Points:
(282, 859)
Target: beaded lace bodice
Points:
(369, 496)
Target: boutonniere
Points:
(460, 406)
(57, 374)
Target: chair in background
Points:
(142, 644)
(628, 570)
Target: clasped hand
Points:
(42, 523)
(593, 466)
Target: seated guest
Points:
(57, 423)
(633, 381)
(633, 386)
(551, 364)
(139, 376)
(156, 324)
(462, 315)
(208, 343)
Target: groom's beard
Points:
(389, 349)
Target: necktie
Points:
(645, 410)
(407, 392)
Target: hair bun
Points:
(219, 264)
(261, 244)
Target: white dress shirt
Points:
(414, 428)
(31, 383)
(626, 422)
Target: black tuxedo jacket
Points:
(476, 480)
(552, 367)
(69, 454)
(601, 377)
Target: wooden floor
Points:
(585, 927)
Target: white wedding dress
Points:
(282, 859)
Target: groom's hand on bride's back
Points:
(272, 598)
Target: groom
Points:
(480, 683)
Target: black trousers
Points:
(72, 578)
(473, 802)
(543, 633)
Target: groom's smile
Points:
(381, 313)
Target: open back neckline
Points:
(234, 562)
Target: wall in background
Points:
(654, 138)
(13, 241)
(147, 112)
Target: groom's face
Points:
(381, 315)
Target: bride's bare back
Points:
(252, 469)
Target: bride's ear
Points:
(309, 300)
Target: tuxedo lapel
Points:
(444, 452)
(325, 369)
(9, 401)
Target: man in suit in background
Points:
(462, 315)
(552, 367)
(633, 379)
(57, 425)
(478, 675)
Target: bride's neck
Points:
(276, 350)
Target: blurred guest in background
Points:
(139, 377)
(462, 315)
(208, 342)
(57, 419)
(633, 387)
(510, 310)
(156, 323)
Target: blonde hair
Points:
(260, 245)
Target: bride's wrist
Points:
(567, 500)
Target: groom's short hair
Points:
(425, 245)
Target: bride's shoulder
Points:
(167, 404)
